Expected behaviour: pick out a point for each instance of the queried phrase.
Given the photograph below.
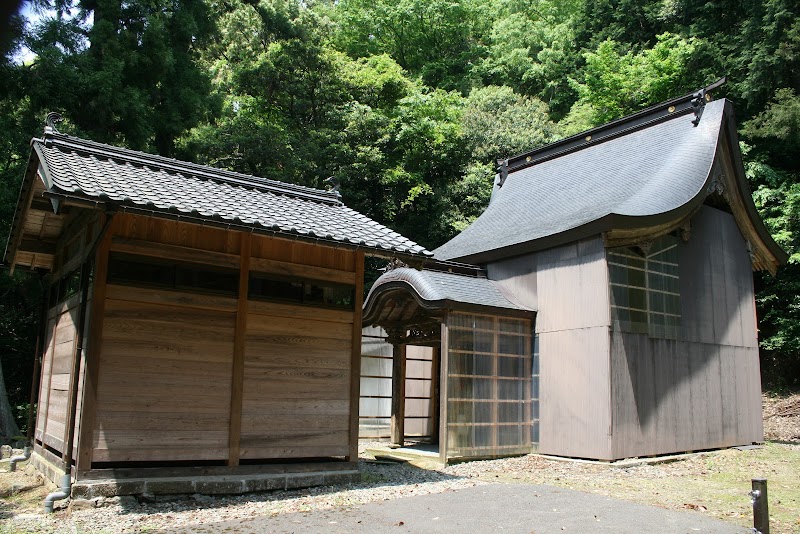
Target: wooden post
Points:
(435, 405)
(398, 393)
(760, 506)
(443, 391)
(355, 359)
(237, 373)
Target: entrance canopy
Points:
(414, 301)
(483, 360)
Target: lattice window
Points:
(645, 289)
(489, 404)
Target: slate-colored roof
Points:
(639, 175)
(648, 171)
(436, 289)
(77, 169)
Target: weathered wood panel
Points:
(57, 375)
(717, 283)
(177, 233)
(572, 287)
(519, 276)
(671, 396)
(160, 364)
(301, 254)
(575, 393)
(44, 382)
(702, 390)
(292, 365)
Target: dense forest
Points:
(407, 102)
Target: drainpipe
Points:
(26, 453)
(62, 493)
(66, 480)
(37, 360)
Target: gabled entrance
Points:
(482, 386)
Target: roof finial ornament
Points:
(502, 169)
(50, 122)
(393, 264)
(335, 185)
(698, 105)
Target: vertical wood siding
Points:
(703, 390)
(571, 299)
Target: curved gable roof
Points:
(639, 175)
(437, 290)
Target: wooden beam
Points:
(398, 395)
(355, 358)
(93, 350)
(36, 245)
(175, 252)
(298, 270)
(237, 375)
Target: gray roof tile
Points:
(644, 172)
(94, 171)
(448, 288)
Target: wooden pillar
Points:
(435, 394)
(443, 391)
(355, 359)
(237, 373)
(398, 394)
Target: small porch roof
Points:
(406, 297)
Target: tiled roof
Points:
(444, 289)
(85, 170)
(640, 172)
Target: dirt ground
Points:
(714, 483)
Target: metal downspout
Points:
(66, 480)
(37, 361)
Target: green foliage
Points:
(434, 39)
(616, 83)
(778, 129)
(533, 50)
(500, 123)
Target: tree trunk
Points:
(8, 426)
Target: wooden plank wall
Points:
(165, 385)
(702, 391)
(572, 321)
(375, 408)
(60, 347)
(164, 388)
(57, 373)
(296, 400)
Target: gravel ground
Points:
(382, 482)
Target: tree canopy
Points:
(408, 103)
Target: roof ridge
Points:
(630, 123)
(202, 172)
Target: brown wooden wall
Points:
(56, 374)
(702, 390)
(61, 337)
(191, 376)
